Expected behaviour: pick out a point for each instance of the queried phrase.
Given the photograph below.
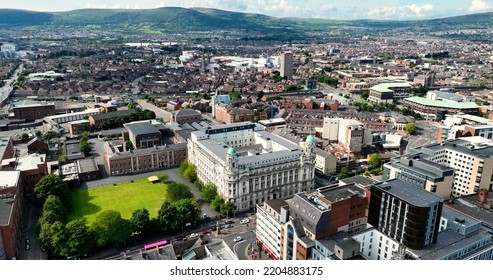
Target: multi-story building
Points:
(286, 67)
(219, 99)
(228, 114)
(187, 116)
(405, 213)
(271, 215)
(10, 214)
(472, 159)
(121, 162)
(325, 162)
(7, 149)
(78, 127)
(32, 112)
(422, 173)
(437, 109)
(273, 124)
(464, 125)
(249, 165)
(317, 215)
(143, 134)
(389, 92)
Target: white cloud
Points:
(478, 5)
(403, 12)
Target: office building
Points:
(436, 110)
(389, 92)
(271, 215)
(472, 159)
(422, 173)
(249, 165)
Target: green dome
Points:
(310, 139)
(232, 152)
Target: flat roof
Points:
(87, 165)
(141, 128)
(79, 122)
(30, 162)
(385, 87)
(409, 193)
(9, 178)
(442, 104)
(469, 205)
(5, 210)
(113, 114)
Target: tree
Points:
(411, 128)
(109, 226)
(227, 208)
(208, 193)
(84, 136)
(217, 203)
(85, 147)
(190, 173)
(167, 216)
(176, 191)
(56, 238)
(129, 146)
(187, 211)
(140, 221)
(53, 210)
(374, 161)
(344, 173)
(52, 185)
(24, 137)
(183, 166)
(79, 238)
(38, 133)
(163, 178)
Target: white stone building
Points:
(249, 165)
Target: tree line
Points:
(208, 192)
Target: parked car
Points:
(245, 221)
(237, 239)
(193, 235)
(230, 222)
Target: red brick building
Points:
(228, 114)
(34, 111)
(10, 214)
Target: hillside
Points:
(173, 19)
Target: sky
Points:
(328, 9)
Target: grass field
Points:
(124, 197)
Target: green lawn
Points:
(124, 197)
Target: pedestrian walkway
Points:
(264, 256)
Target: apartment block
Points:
(407, 214)
(271, 215)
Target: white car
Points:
(245, 221)
(237, 239)
(193, 235)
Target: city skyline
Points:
(349, 10)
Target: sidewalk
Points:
(254, 256)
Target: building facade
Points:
(249, 165)
(271, 215)
(422, 173)
(405, 213)
(286, 65)
(120, 162)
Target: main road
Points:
(9, 84)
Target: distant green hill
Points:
(173, 19)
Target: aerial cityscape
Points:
(246, 131)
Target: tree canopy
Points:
(110, 227)
(52, 185)
(140, 221)
(176, 191)
(374, 161)
(411, 128)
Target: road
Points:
(426, 133)
(160, 113)
(9, 84)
